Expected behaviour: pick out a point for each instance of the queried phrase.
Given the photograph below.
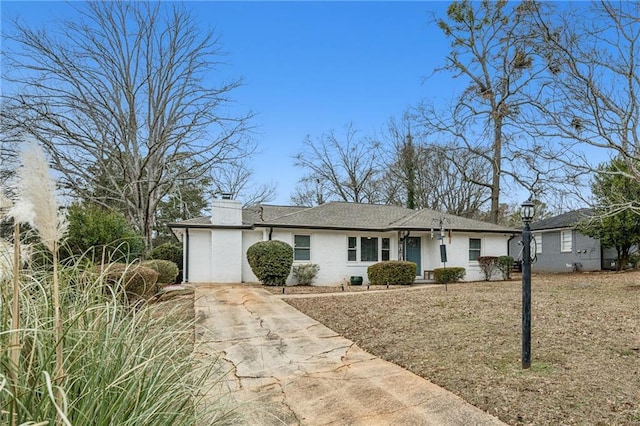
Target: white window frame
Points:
(538, 238)
(296, 247)
(377, 252)
(355, 249)
(358, 248)
(566, 241)
(383, 250)
(478, 250)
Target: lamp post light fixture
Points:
(527, 211)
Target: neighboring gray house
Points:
(561, 248)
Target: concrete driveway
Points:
(288, 369)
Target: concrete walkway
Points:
(287, 369)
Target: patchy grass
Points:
(585, 343)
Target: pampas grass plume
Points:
(36, 203)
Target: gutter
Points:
(185, 258)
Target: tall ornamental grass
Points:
(73, 351)
(123, 364)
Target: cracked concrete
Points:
(285, 368)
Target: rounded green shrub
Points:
(166, 269)
(392, 272)
(271, 261)
(168, 251)
(449, 275)
(139, 282)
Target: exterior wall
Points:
(226, 256)
(491, 245)
(199, 267)
(329, 250)
(219, 255)
(585, 252)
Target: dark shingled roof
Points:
(565, 220)
(339, 215)
(431, 219)
(342, 215)
(265, 212)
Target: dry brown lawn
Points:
(585, 343)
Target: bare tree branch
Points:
(345, 167)
(120, 99)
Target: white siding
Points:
(199, 270)
(329, 250)
(223, 258)
(492, 245)
(226, 256)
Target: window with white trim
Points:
(475, 248)
(302, 247)
(386, 249)
(368, 249)
(538, 238)
(352, 249)
(566, 241)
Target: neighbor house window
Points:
(368, 249)
(566, 240)
(538, 238)
(386, 247)
(475, 246)
(352, 249)
(302, 247)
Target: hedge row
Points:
(392, 272)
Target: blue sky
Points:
(310, 67)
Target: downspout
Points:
(185, 258)
(509, 244)
(270, 232)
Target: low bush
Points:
(305, 273)
(392, 272)
(166, 269)
(168, 251)
(139, 282)
(488, 265)
(271, 261)
(505, 265)
(449, 275)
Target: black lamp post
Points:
(527, 211)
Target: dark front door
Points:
(413, 252)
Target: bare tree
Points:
(344, 168)
(121, 98)
(589, 110)
(437, 177)
(237, 179)
(309, 192)
(491, 51)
